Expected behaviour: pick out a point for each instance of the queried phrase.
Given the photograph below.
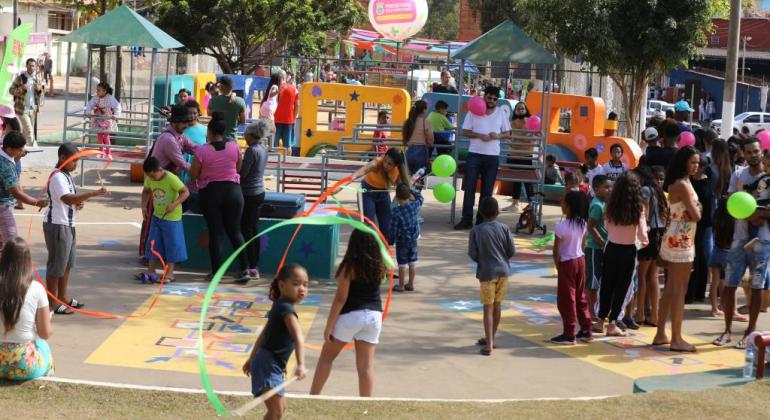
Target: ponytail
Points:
(283, 274)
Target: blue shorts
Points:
(285, 132)
(718, 257)
(169, 240)
(406, 254)
(266, 372)
(756, 260)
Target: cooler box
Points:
(279, 205)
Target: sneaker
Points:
(563, 340)
(630, 324)
(621, 325)
(585, 336)
(254, 273)
(464, 225)
(244, 277)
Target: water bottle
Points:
(417, 175)
(748, 367)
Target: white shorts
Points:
(362, 325)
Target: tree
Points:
(631, 41)
(492, 12)
(242, 34)
(443, 20)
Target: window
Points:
(60, 20)
(752, 119)
(714, 40)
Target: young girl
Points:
(626, 226)
(568, 256)
(356, 312)
(26, 322)
(379, 147)
(281, 336)
(418, 137)
(724, 226)
(103, 109)
(270, 100)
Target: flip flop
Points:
(63, 310)
(75, 304)
(483, 342)
(742, 344)
(485, 352)
(740, 318)
(722, 340)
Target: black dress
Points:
(696, 289)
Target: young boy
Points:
(491, 246)
(10, 191)
(404, 231)
(379, 145)
(591, 167)
(552, 171)
(166, 230)
(59, 228)
(596, 238)
(614, 168)
(441, 127)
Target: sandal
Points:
(739, 317)
(722, 340)
(63, 310)
(75, 304)
(742, 343)
(398, 289)
(485, 352)
(483, 342)
(409, 288)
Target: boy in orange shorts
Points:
(491, 246)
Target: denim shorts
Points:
(756, 261)
(406, 254)
(266, 372)
(169, 240)
(718, 257)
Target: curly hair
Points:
(625, 204)
(363, 260)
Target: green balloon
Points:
(741, 205)
(444, 192)
(444, 165)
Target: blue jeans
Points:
(478, 165)
(704, 243)
(416, 158)
(377, 207)
(285, 132)
(756, 261)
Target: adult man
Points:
(444, 87)
(233, 108)
(48, 73)
(750, 248)
(26, 90)
(661, 156)
(286, 113)
(483, 159)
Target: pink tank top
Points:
(217, 165)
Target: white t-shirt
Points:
(57, 212)
(495, 123)
(25, 331)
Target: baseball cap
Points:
(650, 134)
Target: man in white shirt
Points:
(483, 159)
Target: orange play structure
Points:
(586, 127)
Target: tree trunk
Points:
(102, 49)
(632, 105)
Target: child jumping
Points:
(166, 230)
(570, 265)
(491, 247)
(281, 336)
(404, 231)
(103, 109)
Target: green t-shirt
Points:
(231, 110)
(439, 122)
(596, 212)
(164, 192)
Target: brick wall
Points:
(470, 25)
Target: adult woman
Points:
(356, 312)
(215, 169)
(196, 132)
(417, 137)
(24, 353)
(519, 155)
(270, 100)
(678, 247)
(379, 175)
(253, 187)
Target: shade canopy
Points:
(505, 42)
(122, 27)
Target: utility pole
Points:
(15, 14)
(731, 73)
(743, 76)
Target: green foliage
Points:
(492, 12)
(242, 34)
(443, 20)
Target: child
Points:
(571, 265)
(591, 168)
(703, 186)
(103, 109)
(614, 168)
(10, 191)
(491, 247)
(626, 226)
(281, 336)
(655, 202)
(724, 226)
(597, 238)
(379, 135)
(168, 193)
(441, 127)
(59, 228)
(552, 171)
(404, 231)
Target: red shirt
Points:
(284, 114)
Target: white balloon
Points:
(398, 19)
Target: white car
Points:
(654, 105)
(752, 120)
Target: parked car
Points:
(752, 120)
(654, 105)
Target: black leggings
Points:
(619, 266)
(250, 226)
(222, 206)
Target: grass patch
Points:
(48, 400)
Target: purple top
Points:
(218, 165)
(570, 236)
(169, 147)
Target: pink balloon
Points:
(533, 123)
(477, 106)
(686, 139)
(764, 139)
